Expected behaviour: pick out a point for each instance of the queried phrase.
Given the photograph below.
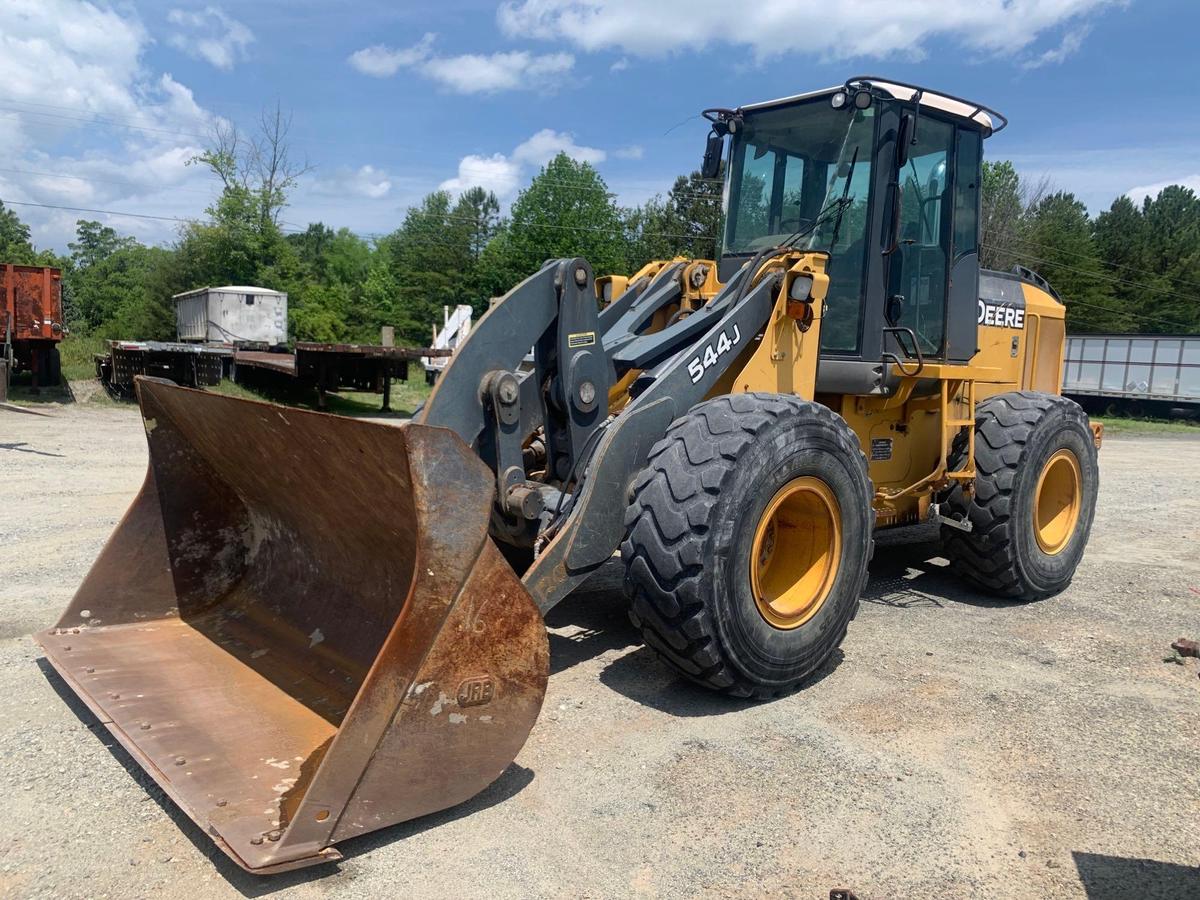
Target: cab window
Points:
(920, 266)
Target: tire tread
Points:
(688, 469)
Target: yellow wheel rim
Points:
(796, 551)
(1057, 502)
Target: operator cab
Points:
(885, 178)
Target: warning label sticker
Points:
(581, 339)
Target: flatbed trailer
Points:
(191, 365)
(329, 368)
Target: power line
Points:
(1116, 311)
(106, 212)
(98, 121)
(1124, 312)
(94, 180)
(1100, 259)
(591, 187)
(526, 224)
(1109, 278)
(89, 112)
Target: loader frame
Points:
(232, 631)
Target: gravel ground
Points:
(956, 747)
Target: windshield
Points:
(807, 168)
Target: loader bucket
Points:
(301, 629)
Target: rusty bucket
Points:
(301, 628)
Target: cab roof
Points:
(986, 118)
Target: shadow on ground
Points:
(23, 447)
(23, 392)
(1122, 878)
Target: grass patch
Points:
(1124, 425)
(78, 354)
(406, 397)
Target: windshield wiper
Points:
(835, 205)
(845, 200)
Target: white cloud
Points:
(470, 73)
(855, 28)
(496, 173)
(211, 35)
(74, 77)
(1138, 194)
(1068, 46)
(503, 174)
(366, 182)
(1098, 174)
(548, 143)
(633, 151)
(620, 65)
(381, 61)
(69, 54)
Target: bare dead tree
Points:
(260, 165)
(269, 157)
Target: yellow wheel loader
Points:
(309, 627)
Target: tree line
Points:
(1132, 268)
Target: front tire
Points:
(748, 538)
(1036, 482)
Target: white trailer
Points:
(234, 314)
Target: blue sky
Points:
(102, 104)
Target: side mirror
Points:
(905, 135)
(713, 148)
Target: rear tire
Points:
(702, 543)
(1029, 524)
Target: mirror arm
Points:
(894, 235)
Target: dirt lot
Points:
(956, 748)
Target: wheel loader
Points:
(309, 627)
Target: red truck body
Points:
(31, 321)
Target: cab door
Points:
(919, 270)
(933, 280)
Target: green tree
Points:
(311, 246)
(687, 223)
(1002, 211)
(95, 242)
(475, 218)
(429, 257)
(243, 243)
(1169, 262)
(474, 223)
(1059, 234)
(1121, 242)
(567, 210)
(15, 244)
